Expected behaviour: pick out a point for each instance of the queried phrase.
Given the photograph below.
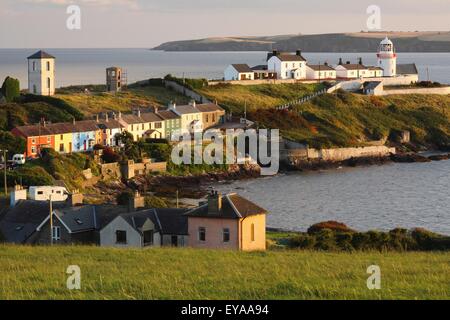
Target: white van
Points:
(43, 193)
(18, 159)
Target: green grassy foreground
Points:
(40, 273)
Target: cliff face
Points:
(360, 42)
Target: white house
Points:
(351, 71)
(375, 72)
(387, 58)
(286, 65)
(320, 72)
(238, 72)
(41, 74)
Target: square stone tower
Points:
(116, 79)
(41, 74)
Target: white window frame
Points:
(56, 233)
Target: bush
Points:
(123, 199)
(330, 225)
(189, 83)
(10, 89)
(158, 151)
(325, 240)
(15, 145)
(427, 240)
(155, 202)
(29, 176)
(303, 241)
(109, 156)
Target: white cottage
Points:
(238, 72)
(286, 65)
(320, 72)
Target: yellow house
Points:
(191, 117)
(227, 222)
(143, 125)
(63, 135)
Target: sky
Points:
(147, 23)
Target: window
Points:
(121, 237)
(49, 139)
(33, 141)
(143, 126)
(148, 238)
(33, 149)
(158, 125)
(252, 232)
(202, 234)
(61, 147)
(56, 233)
(174, 241)
(207, 118)
(40, 193)
(48, 83)
(226, 235)
(34, 89)
(48, 65)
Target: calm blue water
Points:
(87, 66)
(365, 198)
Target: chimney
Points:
(348, 62)
(156, 109)
(75, 199)
(18, 194)
(214, 202)
(340, 61)
(325, 64)
(120, 115)
(360, 61)
(136, 202)
(298, 53)
(97, 118)
(114, 116)
(193, 103)
(106, 117)
(275, 52)
(74, 121)
(139, 112)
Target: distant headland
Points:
(428, 41)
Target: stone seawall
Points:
(442, 91)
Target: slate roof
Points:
(407, 69)
(322, 67)
(242, 68)
(110, 124)
(20, 222)
(261, 67)
(168, 115)
(144, 118)
(290, 57)
(208, 107)
(370, 85)
(172, 221)
(186, 109)
(356, 66)
(41, 55)
(58, 128)
(234, 206)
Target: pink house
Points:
(227, 222)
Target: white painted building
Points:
(320, 72)
(387, 58)
(236, 72)
(41, 74)
(351, 70)
(287, 66)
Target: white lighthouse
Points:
(41, 74)
(387, 58)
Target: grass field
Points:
(40, 273)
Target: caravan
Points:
(43, 193)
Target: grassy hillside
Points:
(342, 119)
(257, 97)
(97, 100)
(40, 273)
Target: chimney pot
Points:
(299, 52)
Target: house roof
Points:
(289, 57)
(144, 118)
(58, 128)
(242, 68)
(208, 107)
(172, 221)
(320, 67)
(356, 66)
(407, 69)
(167, 114)
(186, 109)
(41, 55)
(370, 85)
(110, 124)
(20, 222)
(234, 206)
(374, 68)
(261, 67)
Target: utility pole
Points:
(178, 204)
(4, 171)
(51, 220)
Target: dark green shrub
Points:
(325, 240)
(15, 145)
(10, 89)
(344, 241)
(158, 151)
(302, 241)
(427, 240)
(123, 199)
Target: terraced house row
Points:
(82, 136)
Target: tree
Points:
(15, 145)
(130, 148)
(10, 89)
(109, 156)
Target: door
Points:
(174, 241)
(70, 147)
